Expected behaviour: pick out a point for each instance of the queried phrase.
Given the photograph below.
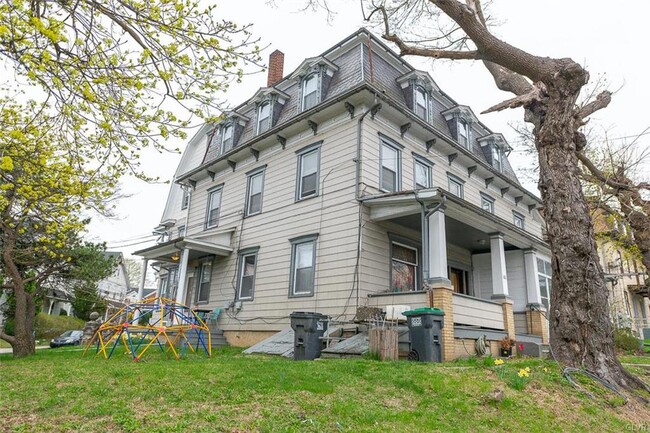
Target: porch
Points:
(482, 270)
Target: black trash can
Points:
(308, 328)
(425, 330)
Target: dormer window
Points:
(226, 137)
(310, 91)
(463, 133)
(417, 87)
(264, 117)
(495, 148)
(421, 103)
(314, 76)
(460, 120)
(496, 157)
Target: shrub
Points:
(624, 340)
(46, 326)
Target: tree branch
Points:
(600, 175)
(536, 93)
(601, 101)
(406, 50)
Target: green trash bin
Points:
(425, 331)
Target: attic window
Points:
(226, 137)
(421, 104)
(496, 157)
(310, 91)
(463, 133)
(264, 117)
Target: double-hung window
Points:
(246, 274)
(203, 282)
(455, 186)
(544, 275)
(518, 219)
(463, 133)
(422, 172)
(310, 91)
(496, 157)
(421, 103)
(226, 138)
(214, 205)
(390, 167)
(254, 192)
(404, 268)
(487, 203)
(308, 171)
(264, 117)
(185, 200)
(303, 266)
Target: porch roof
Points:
(219, 245)
(400, 204)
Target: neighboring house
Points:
(112, 289)
(354, 181)
(625, 277)
(132, 295)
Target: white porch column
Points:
(143, 278)
(180, 291)
(437, 248)
(499, 273)
(532, 282)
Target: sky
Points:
(610, 41)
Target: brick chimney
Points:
(276, 67)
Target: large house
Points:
(354, 181)
(625, 277)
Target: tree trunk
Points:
(580, 329)
(24, 343)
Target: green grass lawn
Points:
(58, 390)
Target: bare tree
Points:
(548, 89)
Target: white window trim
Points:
(242, 257)
(417, 159)
(259, 111)
(295, 243)
(420, 89)
(317, 77)
(489, 199)
(308, 150)
(458, 181)
(416, 265)
(398, 164)
(208, 209)
(464, 125)
(517, 216)
(199, 281)
(249, 184)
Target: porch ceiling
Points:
(457, 232)
(170, 251)
(467, 225)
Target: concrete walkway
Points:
(8, 350)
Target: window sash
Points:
(185, 200)
(487, 204)
(421, 103)
(248, 265)
(422, 175)
(390, 163)
(214, 203)
(404, 270)
(203, 282)
(303, 268)
(264, 117)
(463, 133)
(309, 166)
(310, 92)
(518, 220)
(226, 138)
(456, 187)
(254, 199)
(496, 158)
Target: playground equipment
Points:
(171, 326)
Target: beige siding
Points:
(477, 312)
(473, 186)
(333, 215)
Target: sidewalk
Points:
(8, 350)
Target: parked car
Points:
(68, 338)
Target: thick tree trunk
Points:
(24, 343)
(580, 329)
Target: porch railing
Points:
(477, 312)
